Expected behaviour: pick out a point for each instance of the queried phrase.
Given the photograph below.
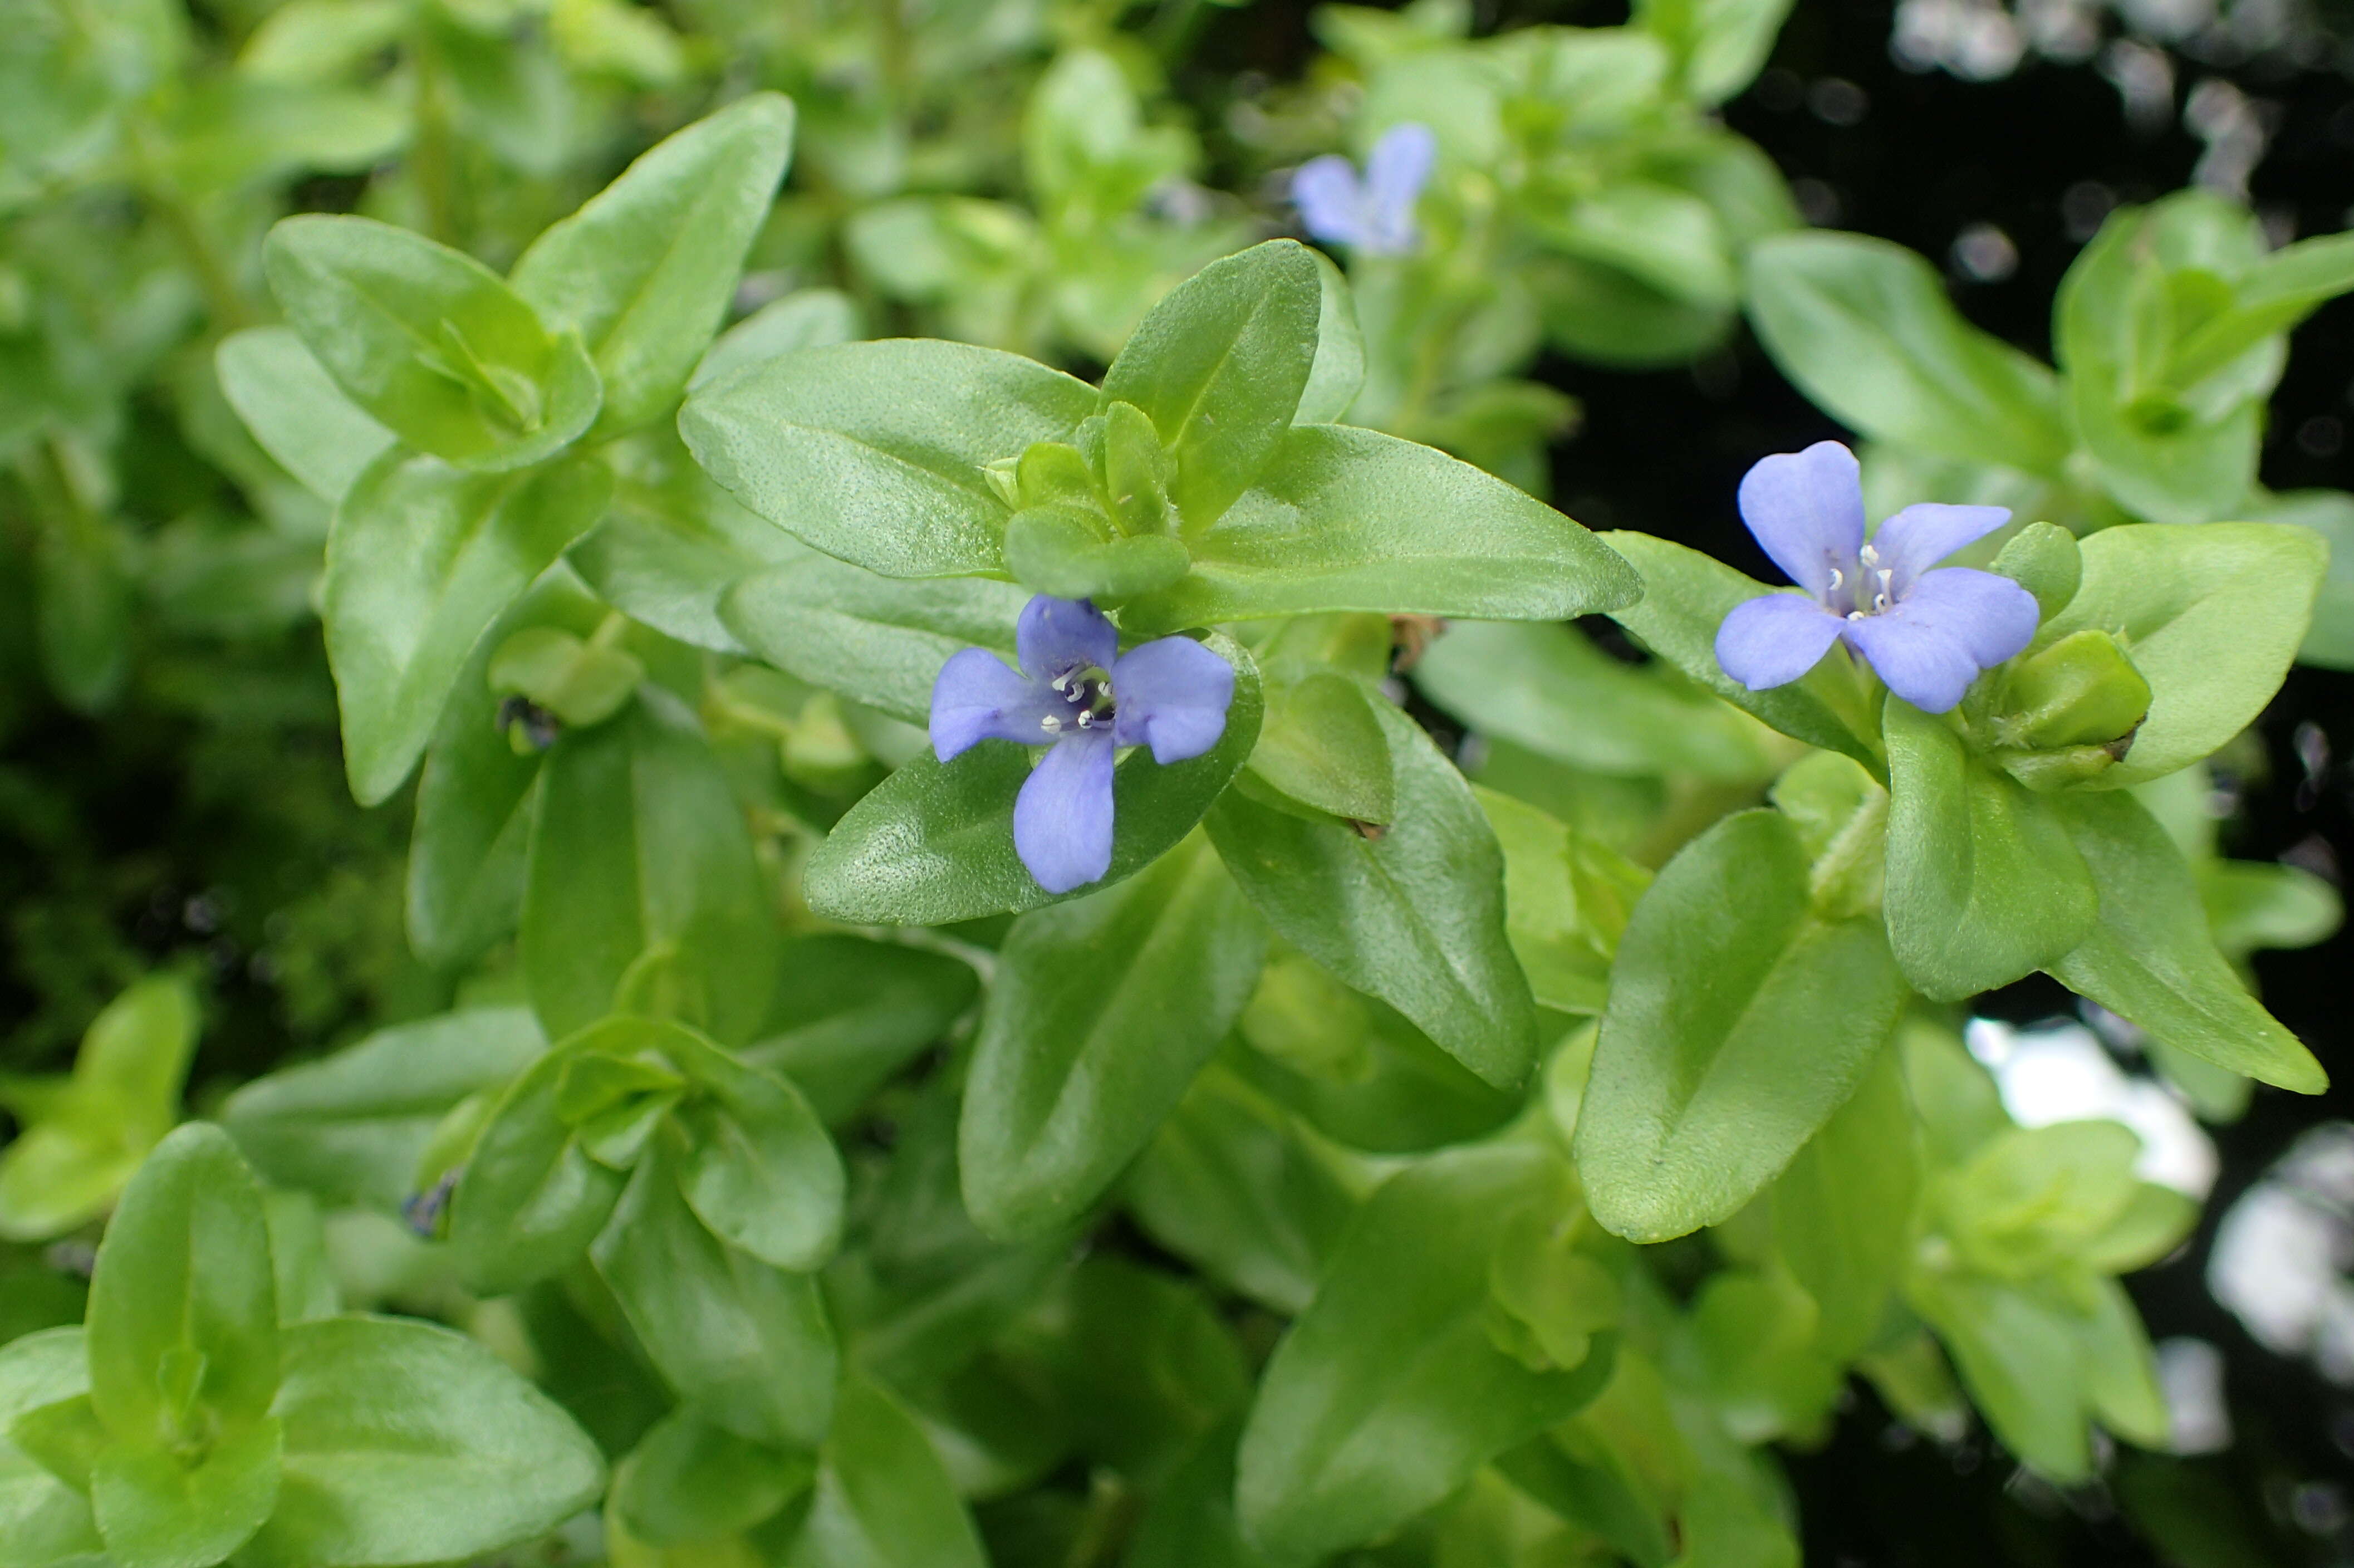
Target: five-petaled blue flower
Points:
(1078, 695)
(1927, 633)
(1374, 214)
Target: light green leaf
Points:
(689, 1480)
(1983, 887)
(1413, 915)
(806, 318)
(1864, 327)
(2152, 959)
(157, 1510)
(1843, 1209)
(878, 641)
(758, 1168)
(747, 1342)
(2211, 616)
(883, 1498)
(183, 1311)
(44, 1523)
(529, 1198)
(1701, 1094)
(1102, 1010)
(422, 559)
(1550, 689)
(873, 452)
(406, 1443)
(1388, 1393)
(644, 270)
(296, 411)
(1219, 365)
(639, 848)
(430, 343)
(1343, 518)
(1338, 371)
(934, 842)
(849, 1012)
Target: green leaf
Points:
(429, 343)
(2211, 615)
(848, 1013)
(1864, 327)
(638, 848)
(747, 1342)
(422, 559)
(1071, 553)
(646, 270)
(1388, 1393)
(1566, 900)
(884, 1499)
(1701, 1094)
(157, 1510)
(1550, 689)
(44, 1523)
(1102, 1010)
(406, 1443)
(1983, 886)
(1413, 915)
(1338, 371)
(934, 842)
(353, 1125)
(296, 411)
(873, 452)
(1720, 45)
(182, 1309)
(529, 1198)
(1668, 240)
(1323, 745)
(66, 1165)
(806, 318)
(1219, 365)
(1686, 596)
(475, 798)
(1343, 518)
(1843, 1209)
(1227, 1185)
(2152, 959)
(877, 639)
(690, 1481)
(758, 1168)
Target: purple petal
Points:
(1920, 662)
(1062, 818)
(1055, 636)
(1807, 510)
(978, 697)
(1921, 535)
(1396, 173)
(1173, 695)
(1331, 202)
(1773, 640)
(1988, 617)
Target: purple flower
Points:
(1927, 633)
(1374, 214)
(1082, 698)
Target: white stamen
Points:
(1838, 579)
(1870, 556)
(1050, 724)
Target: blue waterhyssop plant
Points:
(1373, 214)
(1078, 694)
(1926, 633)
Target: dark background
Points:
(1929, 156)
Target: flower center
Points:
(1869, 593)
(1085, 692)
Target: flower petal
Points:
(1922, 663)
(1990, 617)
(977, 697)
(1062, 818)
(1055, 636)
(1921, 535)
(1330, 203)
(1773, 640)
(1395, 172)
(1807, 510)
(1172, 695)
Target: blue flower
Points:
(1927, 633)
(1374, 214)
(1083, 699)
